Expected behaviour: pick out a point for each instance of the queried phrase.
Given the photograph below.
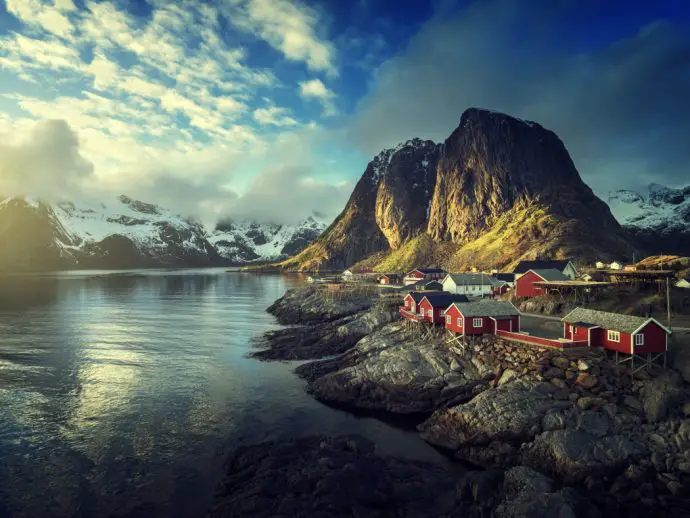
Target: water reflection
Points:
(118, 391)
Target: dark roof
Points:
(429, 270)
(424, 284)
(443, 299)
(525, 266)
(584, 324)
(606, 320)
(552, 275)
(417, 296)
(487, 308)
(505, 277)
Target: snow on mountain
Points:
(246, 241)
(123, 232)
(662, 209)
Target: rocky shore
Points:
(568, 418)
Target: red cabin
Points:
(433, 305)
(525, 287)
(428, 274)
(482, 316)
(617, 332)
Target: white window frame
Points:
(443, 312)
(480, 324)
(459, 322)
(572, 329)
(613, 336)
(413, 306)
(640, 342)
(429, 312)
(449, 319)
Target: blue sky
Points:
(272, 108)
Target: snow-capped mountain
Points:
(125, 233)
(246, 241)
(659, 219)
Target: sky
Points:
(271, 109)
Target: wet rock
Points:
(586, 380)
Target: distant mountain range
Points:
(127, 233)
(659, 219)
(498, 190)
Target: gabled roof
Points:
(428, 270)
(612, 321)
(417, 296)
(471, 279)
(505, 277)
(487, 308)
(443, 299)
(525, 266)
(423, 283)
(551, 275)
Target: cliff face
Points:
(388, 206)
(498, 190)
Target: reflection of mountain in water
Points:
(187, 285)
(20, 293)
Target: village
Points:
(468, 304)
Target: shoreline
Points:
(572, 417)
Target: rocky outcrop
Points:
(498, 190)
(308, 305)
(342, 476)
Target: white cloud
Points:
(287, 25)
(315, 89)
(274, 116)
(36, 13)
(103, 70)
(46, 163)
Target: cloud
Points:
(37, 14)
(288, 194)
(315, 89)
(273, 115)
(46, 163)
(287, 25)
(622, 111)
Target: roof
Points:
(443, 299)
(487, 308)
(417, 296)
(471, 279)
(424, 283)
(429, 270)
(551, 274)
(612, 321)
(525, 266)
(584, 324)
(505, 277)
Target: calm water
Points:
(120, 394)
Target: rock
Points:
(553, 421)
(589, 402)
(558, 382)
(553, 372)
(680, 361)
(511, 413)
(632, 403)
(594, 423)
(560, 362)
(586, 380)
(322, 476)
(507, 376)
(574, 455)
(583, 365)
(660, 394)
(686, 409)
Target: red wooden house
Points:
(434, 305)
(388, 278)
(482, 316)
(525, 287)
(622, 333)
(411, 309)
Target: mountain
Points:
(659, 220)
(498, 190)
(248, 241)
(127, 233)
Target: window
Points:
(614, 336)
(443, 312)
(449, 319)
(572, 329)
(459, 322)
(429, 312)
(477, 322)
(412, 307)
(639, 340)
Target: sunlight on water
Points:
(122, 394)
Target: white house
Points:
(600, 265)
(470, 284)
(615, 265)
(564, 266)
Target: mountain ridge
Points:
(503, 189)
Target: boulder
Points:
(574, 454)
(661, 394)
(586, 380)
(510, 413)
